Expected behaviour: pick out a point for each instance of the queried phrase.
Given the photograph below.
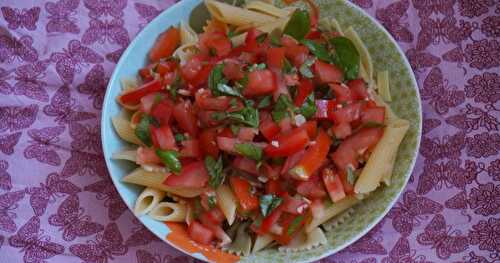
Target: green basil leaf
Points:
(212, 201)
(224, 89)
(351, 175)
(281, 108)
(346, 56)
(248, 116)
(288, 68)
(265, 102)
(260, 38)
(268, 203)
(172, 88)
(216, 76)
(299, 25)
(235, 129)
(275, 37)
(319, 50)
(214, 168)
(179, 137)
(169, 158)
(198, 209)
(249, 150)
(295, 224)
(142, 130)
(305, 68)
(308, 108)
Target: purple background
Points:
(57, 202)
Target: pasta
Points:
(188, 36)
(129, 155)
(227, 203)
(383, 85)
(236, 16)
(268, 9)
(169, 212)
(261, 242)
(147, 200)
(242, 243)
(366, 59)
(331, 211)
(305, 241)
(125, 131)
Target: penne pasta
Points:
(266, 28)
(331, 211)
(365, 57)
(268, 9)
(129, 83)
(185, 52)
(330, 24)
(147, 200)
(188, 36)
(129, 155)
(125, 131)
(383, 87)
(305, 241)
(155, 180)
(235, 15)
(169, 212)
(227, 203)
(261, 241)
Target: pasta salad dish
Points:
(259, 129)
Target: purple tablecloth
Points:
(57, 202)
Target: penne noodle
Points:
(147, 200)
(266, 28)
(227, 203)
(381, 160)
(188, 36)
(129, 83)
(331, 211)
(185, 52)
(129, 155)
(125, 131)
(268, 9)
(235, 15)
(305, 241)
(365, 57)
(155, 180)
(169, 212)
(261, 241)
(383, 87)
(330, 24)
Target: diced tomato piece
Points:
(342, 93)
(313, 158)
(358, 88)
(347, 113)
(275, 57)
(305, 88)
(285, 124)
(200, 233)
(297, 54)
(268, 127)
(274, 187)
(288, 234)
(164, 67)
(213, 217)
(268, 222)
(134, 96)
(136, 118)
(260, 82)
(288, 41)
(324, 109)
(341, 130)
(232, 70)
(215, 43)
(292, 160)
(147, 156)
(193, 175)
(226, 144)
(247, 133)
(202, 76)
(333, 185)
(205, 100)
(348, 187)
(327, 73)
(191, 148)
(313, 13)
(208, 142)
(193, 66)
(163, 138)
(207, 119)
(246, 165)
(288, 144)
(242, 191)
(291, 79)
(248, 58)
(186, 117)
(311, 189)
(311, 127)
(165, 45)
(162, 111)
(314, 34)
(373, 115)
(344, 157)
(145, 72)
(226, 132)
(251, 40)
(271, 171)
(148, 101)
(293, 205)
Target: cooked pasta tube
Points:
(305, 241)
(268, 9)
(227, 203)
(129, 155)
(331, 211)
(261, 241)
(383, 87)
(366, 59)
(129, 83)
(169, 212)
(188, 35)
(147, 200)
(235, 15)
(124, 130)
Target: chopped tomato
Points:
(165, 45)
(134, 96)
(247, 133)
(193, 175)
(341, 130)
(147, 156)
(186, 117)
(297, 54)
(232, 70)
(305, 88)
(348, 187)
(268, 127)
(274, 187)
(207, 118)
(193, 66)
(311, 127)
(267, 222)
(213, 217)
(146, 71)
(162, 111)
(288, 233)
(347, 113)
(342, 93)
(292, 160)
(260, 82)
(226, 144)
(288, 41)
(148, 101)
(226, 132)
(288, 144)
(246, 165)
(163, 137)
(333, 185)
(275, 57)
(251, 44)
(215, 44)
(200, 233)
(205, 100)
(313, 13)
(191, 148)
(324, 109)
(373, 115)
(285, 125)
(311, 188)
(293, 205)
(271, 171)
(327, 73)
(313, 34)
(358, 88)
(313, 158)
(164, 67)
(242, 190)
(208, 142)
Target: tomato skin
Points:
(348, 187)
(292, 160)
(274, 187)
(216, 42)
(190, 70)
(288, 144)
(165, 45)
(232, 70)
(297, 54)
(327, 73)
(374, 115)
(205, 100)
(275, 57)
(247, 134)
(305, 88)
(200, 233)
(241, 189)
(148, 101)
(311, 189)
(186, 118)
(208, 143)
(271, 171)
(268, 222)
(293, 205)
(251, 40)
(206, 118)
(269, 128)
(163, 138)
(260, 82)
(147, 156)
(347, 113)
(311, 128)
(314, 157)
(133, 97)
(162, 111)
(342, 130)
(358, 88)
(333, 184)
(342, 93)
(193, 175)
(191, 148)
(226, 144)
(287, 219)
(246, 165)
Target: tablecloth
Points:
(57, 203)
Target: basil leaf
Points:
(169, 158)
(216, 76)
(224, 89)
(299, 24)
(214, 168)
(305, 68)
(179, 137)
(281, 108)
(247, 116)
(235, 129)
(275, 37)
(318, 50)
(351, 175)
(198, 209)
(308, 108)
(268, 203)
(260, 38)
(249, 150)
(142, 130)
(295, 224)
(346, 56)
(288, 68)
(172, 88)
(212, 201)
(264, 102)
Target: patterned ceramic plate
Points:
(406, 103)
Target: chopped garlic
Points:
(275, 143)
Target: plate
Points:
(406, 104)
